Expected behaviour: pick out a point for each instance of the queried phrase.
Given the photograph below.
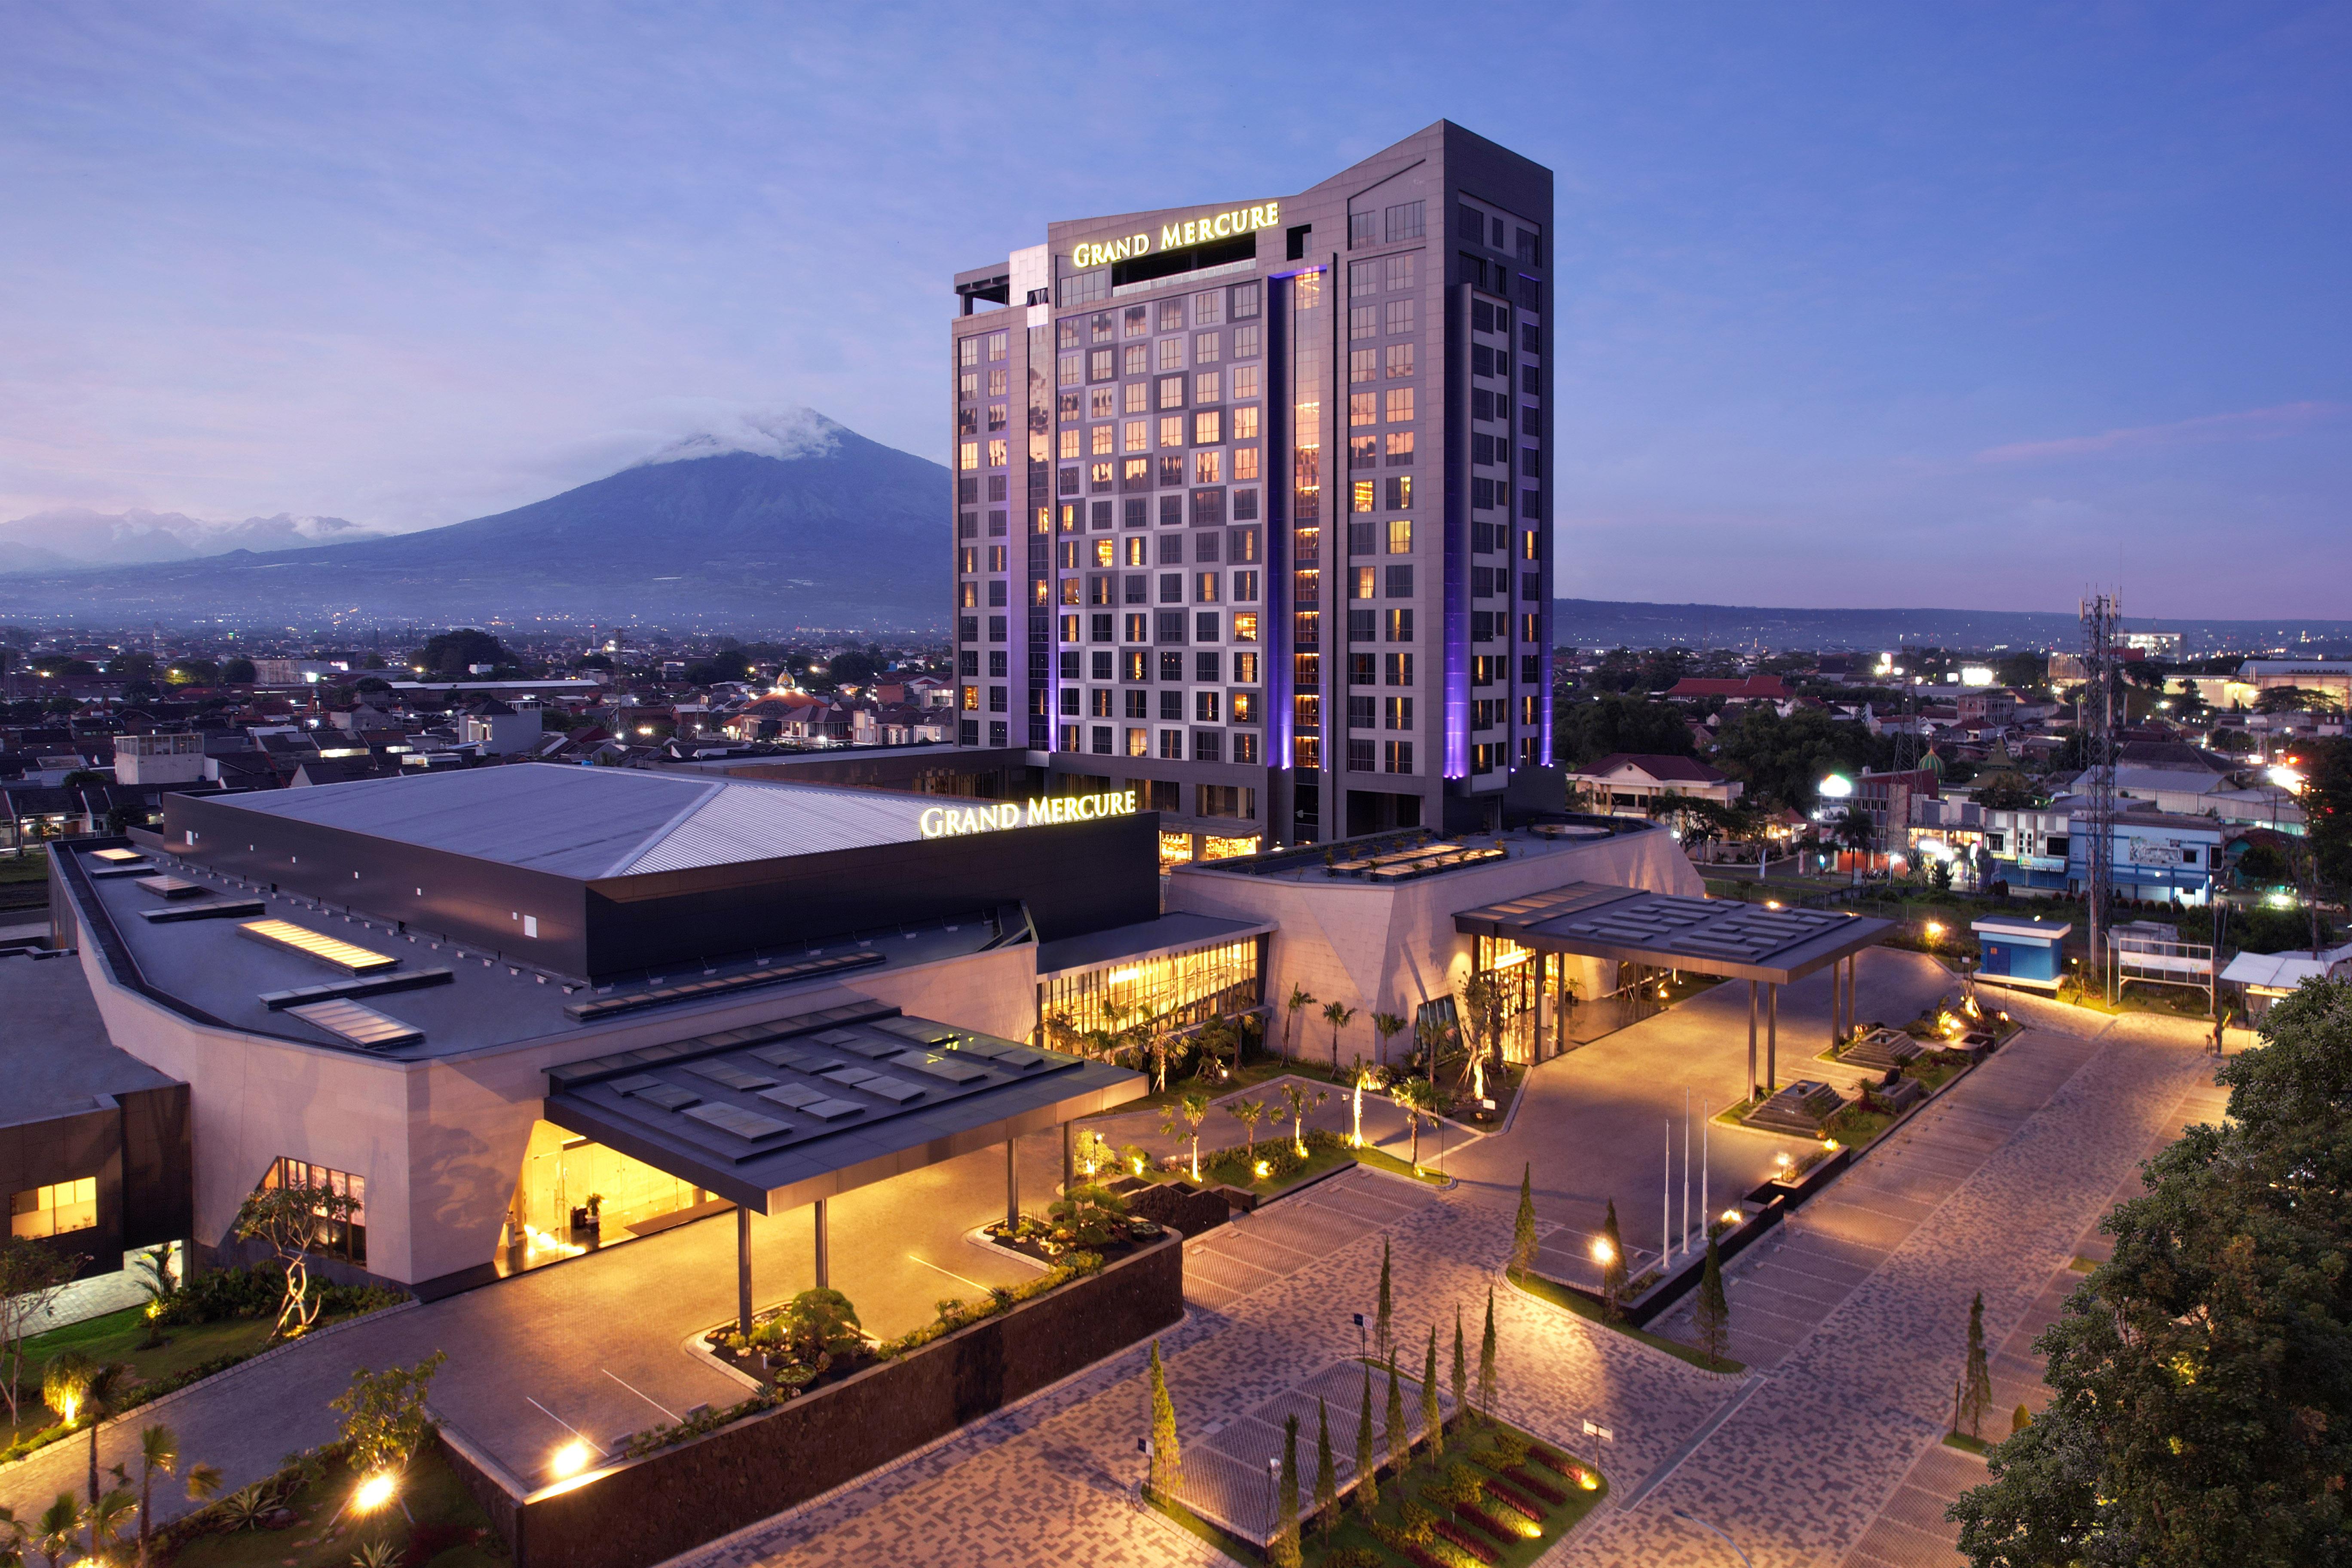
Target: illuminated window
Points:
(1244, 706)
(1399, 406)
(1205, 386)
(1103, 551)
(1171, 392)
(968, 455)
(1400, 499)
(1245, 424)
(1400, 533)
(345, 1234)
(1208, 427)
(1171, 429)
(1070, 443)
(1244, 626)
(1139, 742)
(1101, 439)
(1136, 476)
(1208, 469)
(1400, 448)
(971, 698)
(1245, 467)
(1360, 494)
(997, 454)
(1137, 435)
(54, 1210)
(1099, 475)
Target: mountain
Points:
(791, 521)
(70, 537)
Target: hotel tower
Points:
(1253, 508)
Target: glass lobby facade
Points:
(1252, 501)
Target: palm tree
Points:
(159, 1450)
(1249, 1113)
(1194, 1109)
(58, 1534)
(1300, 1099)
(1300, 1000)
(79, 1388)
(1337, 1016)
(1387, 1025)
(105, 1519)
(15, 1539)
(1432, 1034)
(1416, 1098)
(1213, 1036)
(1854, 830)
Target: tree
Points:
(2202, 1380)
(1298, 1099)
(1387, 1027)
(1381, 1342)
(1433, 1413)
(1249, 1113)
(159, 1452)
(1433, 1034)
(1587, 730)
(385, 1416)
(1853, 829)
(1481, 1000)
(1194, 1109)
(1167, 1458)
(1976, 1381)
(2327, 809)
(1523, 1228)
(450, 656)
(1612, 1263)
(80, 1389)
(31, 1278)
(1327, 1473)
(238, 672)
(104, 1521)
(2298, 700)
(1418, 1100)
(1712, 1314)
(1367, 1464)
(1283, 1550)
(1399, 1441)
(57, 1535)
(820, 1325)
(1300, 1000)
(1460, 1380)
(289, 1220)
(1487, 1359)
(1338, 1018)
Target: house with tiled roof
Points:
(1740, 689)
(1631, 781)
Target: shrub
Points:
(1526, 1483)
(1515, 1503)
(1471, 1514)
(1352, 1557)
(1455, 1536)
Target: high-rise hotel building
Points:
(1253, 503)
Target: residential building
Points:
(1631, 782)
(1252, 511)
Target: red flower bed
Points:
(1472, 1514)
(1513, 1500)
(1422, 1558)
(1551, 1494)
(1465, 1540)
(1553, 1462)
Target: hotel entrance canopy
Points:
(1706, 936)
(791, 1112)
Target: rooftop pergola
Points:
(1765, 946)
(792, 1112)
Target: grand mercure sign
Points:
(1177, 236)
(947, 821)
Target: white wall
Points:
(1387, 948)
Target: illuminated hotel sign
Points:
(1176, 236)
(946, 821)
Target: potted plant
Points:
(595, 1208)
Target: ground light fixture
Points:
(375, 1492)
(1602, 1253)
(570, 1459)
(1731, 1217)
(1837, 786)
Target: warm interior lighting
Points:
(373, 1492)
(570, 1459)
(345, 955)
(1121, 976)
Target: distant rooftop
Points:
(1410, 853)
(55, 1055)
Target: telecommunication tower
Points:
(2102, 616)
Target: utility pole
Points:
(2102, 622)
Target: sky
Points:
(1897, 305)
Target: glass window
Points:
(1067, 369)
(1363, 321)
(60, 1207)
(1069, 439)
(1102, 328)
(1244, 626)
(1246, 343)
(1137, 436)
(1245, 467)
(968, 385)
(1307, 291)
(1137, 361)
(1137, 396)
(998, 343)
(1172, 315)
(1246, 301)
(968, 455)
(1205, 386)
(1137, 320)
(344, 1229)
(1400, 448)
(1171, 392)
(1066, 334)
(1364, 365)
(1100, 365)
(1207, 348)
(1400, 314)
(968, 352)
(1404, 222)
(1363, 408)
(1171, 353)
(1245, 424)
(996, 457)
(1171, 429)
(1399, 406)
(1209, 307)
(1400, 495)
(1401, 536)
(1363, 229)
(1208, 467)
(1400, 362)
(1244, 382)
(1101, 441)
(1363, 278)
(1360, 496)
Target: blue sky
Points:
(1893, 305)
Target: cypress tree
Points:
(1432, 1415)
(1368, 1463)
(1167, 1462)
(1327, 1473)
(1612, 1270)
(1461, 1372)
(1400, 1444)
(1380, 1326)
(1523, 1230)
(1487, 1359)
(1283, 1550)
(1975, 1396)
(1712, 1315)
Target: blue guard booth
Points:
(2019, 951)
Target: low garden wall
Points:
(647, 1509)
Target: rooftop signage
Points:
(1177, 236)
(947, 821)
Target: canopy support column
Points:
(742, 1270)
(1011, 1188)
(1069, 1159)
(824, 1248)
(1751, 1039)
(1771, 1035)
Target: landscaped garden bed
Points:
(289, 1521)
(1497, 1497)
(1558, 1295)
(186, 1335)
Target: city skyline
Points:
(1853, 310)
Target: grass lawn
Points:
(1410, 1504)
(1258, 1071)
(1966, 1444)
(1551, 1290)
(1381, 1160)
(33, 866)
(117, 1336)
(1228, 1167)
(446, 1520)
(1855, 1128)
